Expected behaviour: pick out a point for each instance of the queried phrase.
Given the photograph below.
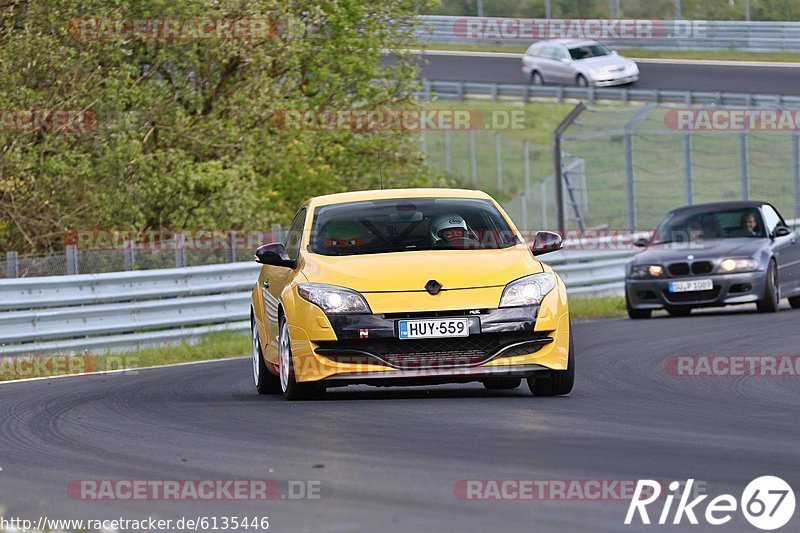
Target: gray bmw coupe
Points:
(713, 255)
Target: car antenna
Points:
(380, 169)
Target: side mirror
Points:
(641, 241)
(566, 60)
(274, 254)
(546, 242)
(782, 231)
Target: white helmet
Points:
(443, 222)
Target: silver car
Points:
(581, 62)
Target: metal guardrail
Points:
(130, 310)
(653, 34)
(461, 90)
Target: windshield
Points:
(409, 224)
(691, 226)
(591, 50)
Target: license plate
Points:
(433, 328)
(691, 286)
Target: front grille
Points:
(691, 297)
(702, 267)
(426, 314)
(679, 269)
(684, 269)
(420, 353)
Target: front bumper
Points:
(729, 289)
(366, 349)
(610, 82)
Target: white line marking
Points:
(123, 370)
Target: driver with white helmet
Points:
(451, 230)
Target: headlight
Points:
(529, 290)
(333, 300)
(738, 265)
(646, 271)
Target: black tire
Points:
(537, 78)
(292, 390)
(795, 302)
(680, 311)
(769, 302)
(266, 382)
(637, 314)
(581, 81)
(556, 382)
(502, 383)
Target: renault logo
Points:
(433, 287)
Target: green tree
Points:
(186, 134)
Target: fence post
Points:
(743, 165)
(524, 217)
(423, 147)
(687, 168)
(630, 186)
(277, 233)
(796, 173)
(498, 161)
(473, 159)
(12, 264)
(180, 252)
(128, 254)
(544, 202)
(231, 255)
(526, 163)
(494, 92)
(448, 161)
(72, 260)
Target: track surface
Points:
(654, 75)
(388, 458)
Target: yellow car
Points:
(408, 287)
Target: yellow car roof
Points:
(387, 194)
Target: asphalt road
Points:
(388, 459)
(654, 75)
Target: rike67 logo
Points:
(767, 503)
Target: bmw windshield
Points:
(692, 226)
(409, 224)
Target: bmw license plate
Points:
(433, 328)
(691, 286)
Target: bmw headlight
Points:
(646, 271)
(733, 264)
(332, 299)
(529, 290)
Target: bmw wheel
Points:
(581, 81)
(537, 78)
(769, 303)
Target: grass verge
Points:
(213, 346)
(640, 53)
(591, 308)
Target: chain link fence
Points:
(171, 253)
(626, 166)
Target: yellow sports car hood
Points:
(410, 271)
